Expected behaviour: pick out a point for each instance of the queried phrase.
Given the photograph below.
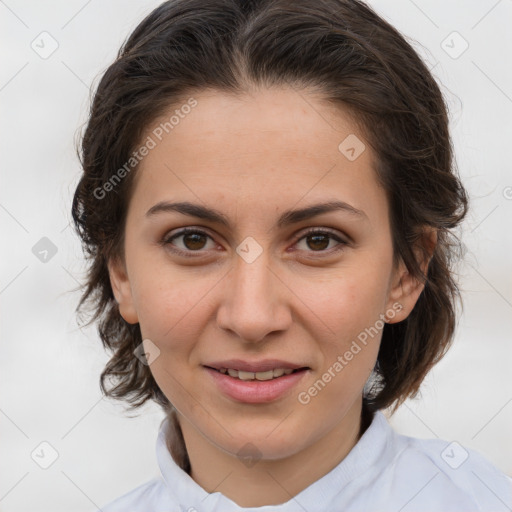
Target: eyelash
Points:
(188, 254)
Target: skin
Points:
(252, 157)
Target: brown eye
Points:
(192, 240)
(319, 241)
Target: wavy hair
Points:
(355, 60)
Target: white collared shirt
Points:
(384, 471)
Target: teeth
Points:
(246, 375)
(268, 375)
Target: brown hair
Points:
(359, 62)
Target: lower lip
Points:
(255, 391)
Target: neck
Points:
(269, 482)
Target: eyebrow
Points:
(287, 218)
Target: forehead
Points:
(297, 121)
(270, 144)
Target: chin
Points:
(262, 442)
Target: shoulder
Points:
(435, 472)
(141, 499)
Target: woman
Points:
(267, 203)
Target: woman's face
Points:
(258, 285)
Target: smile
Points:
(268, 375)
(256, 387)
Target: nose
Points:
(255, 301)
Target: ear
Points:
(405, 289)
(122, 290)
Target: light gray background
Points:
(49, 368)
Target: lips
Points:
(256, 391)
(255, 366)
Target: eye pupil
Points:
(315, 237)
(195, 237)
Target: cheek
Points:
(351, 308)
(350, 300)
(169, 302)
(350, 347)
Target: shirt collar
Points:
(370, 448)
